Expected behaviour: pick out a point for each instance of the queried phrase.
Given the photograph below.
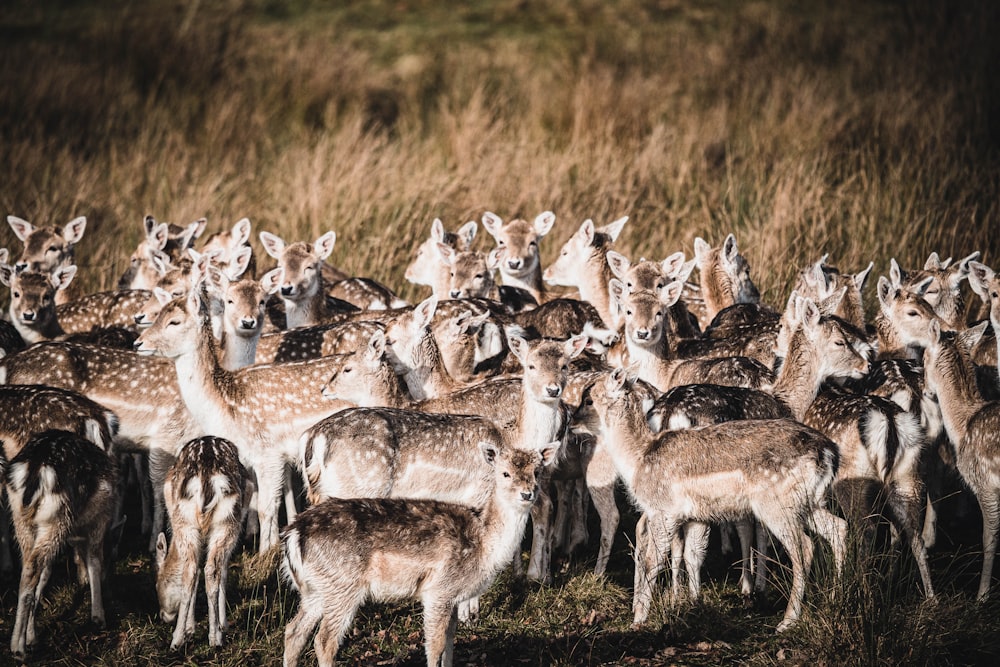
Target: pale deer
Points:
(46, 248)
(229, 245)
(972, 426)
(470, 273)
(725, 278)
(207, 491)
(778, 471)
(943, 292)
(648, 344)
(161, 238)
(341, 552)
(61, 489)
(425, 269)
(583, 263)
(517, 240)
(263, 409)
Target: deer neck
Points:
(958, 397)
(627, 436)
(48, 329)
(716, 295)
(539, 422)
(593, 286)
(655, 362)
(307, 311)
(890, 346)
(385, 391)
(530, 282)
(237, 351)
(203, 381)
(799, 380)
(430, 377)
(503, 529)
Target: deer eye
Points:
(629, 313)
(52, 248)
(911, 313)
(174, 323)
(452, 274)
(17, 295)
(229, 302)
(507, 475)
(839, 343)
(659, 286)
(589, 401)
(501, 244)
(479, 276)
(348, 370)
(563, 253)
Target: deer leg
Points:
(695, 546)
(745, 531)
(904, 509)
(541, 543)
(290, 506)
(6, 553)
(833, 529)
(159, 464)
(468, 610)
(299, 630)
(601, 476)
(95, 557)
(215, 567)
(989, 503)
(760, 576)
(657, 535)
(578, 535)
(439, 618)
(270, 477)
(798, 546)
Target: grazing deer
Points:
(517, 242)
(340, 552)
(61, 489)
(207, 491)
(583, 263)
(46, 248)
(425, 269)
(971, 424)
(162, 243)
(648, 344)
(263, 409)
(725, 278)
(776, 470)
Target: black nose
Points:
(286, 290)
(20, 266)
(136, 345)
(554, 391)
(28, 316)
(514, 263)
(642, 334)
(527, 495)
(455, 293)
(248, 323)
(139, 318)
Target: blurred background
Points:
(866, 130)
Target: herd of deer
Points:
(425, 436)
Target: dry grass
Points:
(865, 130)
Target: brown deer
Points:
(207, 491)
(648, 276)
(61, 489)
(943, 290)
(425, 269)
(725, 278)
(583, 263)
(519, 259)
(163, 242)
(46, 248)
(776, 470)
(340, 552)
(33, 300)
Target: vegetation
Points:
(866, 130)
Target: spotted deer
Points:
(648, 276)
(230, 245)
(822, 279)
(46, 248)
(425, 269)
(340, 552)
(263, 409)
(207, 491)
(725, 278)
(519, 259)
(943, 290)
(470, 273)
(971, 424)
(163, 242)
(583, 263)
(29, 409)
(649, 346)
(61, 489)
(33, 300)
(778, 471)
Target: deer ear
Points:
(587, 231)
(970, 337)
(467, 234)
(376, 346)
(73, 231)
(671, 294)
(575, 345)
(161, 262)
(550, 452)
(617, 290)
(437, 230)
(158, 236)
(424, 311)
(22, 228)
(619, 264)
(494, 258)
(830, 304)
(701, 249)
(543, 222)
(193, 231)
(920, 289)
(861, 277)
(615, 228)
(324, 245)
(240, 262)
(729, 249)
(979, 278)
(810, 314)
(271, 282)
(194, 301)
(934, 262)
(489, 451)
(961, 269)
(162, 296)
(934, 332)
(241, 231)
(895, 273)
(63, 276)
(446, 253)
(519, 346)
(492, 223)
(6, 273)
(148, 225)
(273, 245)
(686, 269)
(672, 265)
(161, 550)
(882, 288)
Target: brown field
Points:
(866, 130)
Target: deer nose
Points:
(455, 293)
(28, 316)
(136, 344)
(553, 390)
(642, 334)
(140, 318)
(248, 323)
(20, 266)
(514, 263)
(286, 290)
(527, 496)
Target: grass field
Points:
(866, 130)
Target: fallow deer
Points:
(61, 489)
(33, 300)
(424, 268)
(519, 259)
(776, 470)
(207, 491)
(648, 276)
(340, 552)
(46, 248)
(725, 278)
(161, 238)
(943, 292)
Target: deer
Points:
(425, 269)
(46, 248)
(33, 301)
(306, 283)
(263, 409)
(61, 489)
(970, 423)
(986, 285)
(648, 276)
(229, 245)
(583, 263)
(648, 344)
(342, 551)
(725, 278)
(163, 242)
(517, 241)
(207, 491)
(29, 409)
(776, 470)
(943, 292)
